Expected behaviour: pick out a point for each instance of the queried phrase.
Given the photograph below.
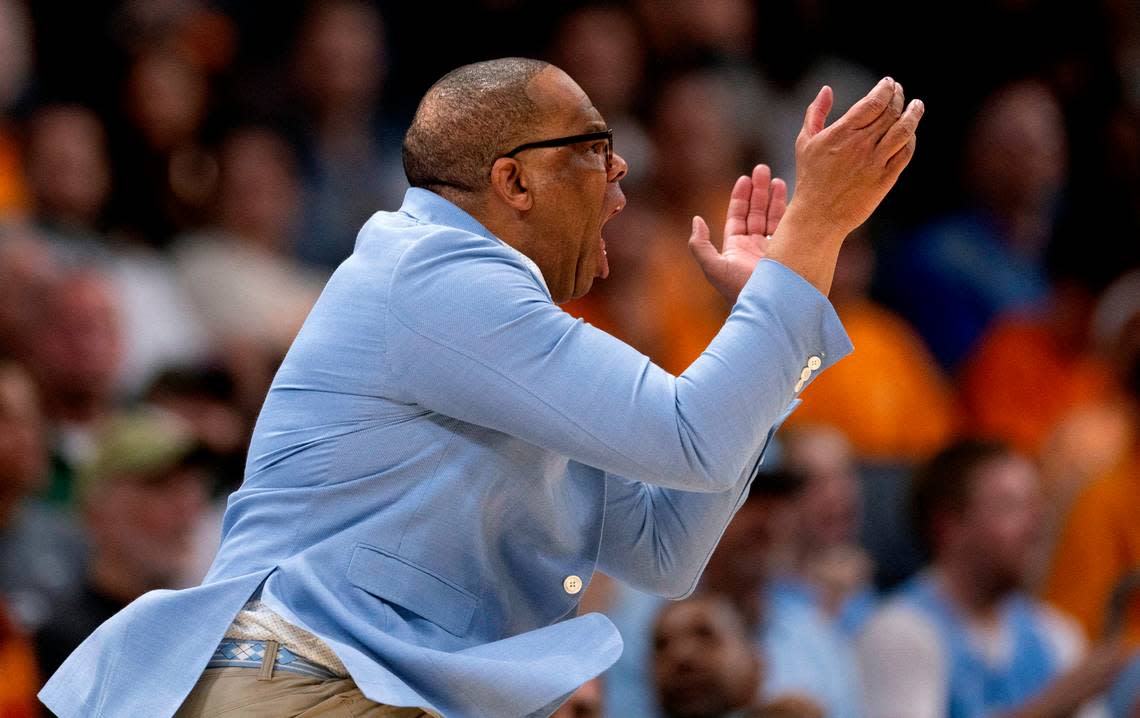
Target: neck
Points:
(966, 589)
(496, 220)
(504, 223)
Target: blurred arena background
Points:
(178, 178)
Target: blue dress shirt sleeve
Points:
(472, 334)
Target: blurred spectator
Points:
(42, 553)
(351, 161)
(795, 59)
(70, 181)
(962, 638)
(803, 654)
(1100, 541)
(1031, 369)
(688, 31)
(1084, 445)
(831, 572)
(586, 702)
(15, 70)
(160, 324)
(28, 268)
(770, 54)
(628, 684)
(75, 352)
(206, 399)
(19, 679)
(69, 176)
(601, 47)
(242, 282)
(1094, 438)
(889, 398)
(955, 275)
(141, 499)
(704, 666)
(164, 177)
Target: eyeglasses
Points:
(607, 135)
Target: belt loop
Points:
(268, 661)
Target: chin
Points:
(584, 291)
(574, 291)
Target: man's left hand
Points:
(757, 204)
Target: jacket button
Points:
(814, 363)
(572, 584)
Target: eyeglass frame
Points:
(607, 135)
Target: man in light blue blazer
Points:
(445, 457)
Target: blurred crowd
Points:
(947, 526)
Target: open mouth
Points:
(603, 260)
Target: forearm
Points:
(659, 540)
(808, 245)
(521, 366)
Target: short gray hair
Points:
(466, 120)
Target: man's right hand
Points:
(843, 171)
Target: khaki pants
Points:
(248, 693)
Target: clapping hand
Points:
(843, 171)
(755, 208)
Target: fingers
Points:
(901, 159)
(777, 205)
(701, 246)
(901, 134)
(885, 121)
(736, 219)
(758, 206)
(868, 109)
(817, 111)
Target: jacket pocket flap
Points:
(393, 578)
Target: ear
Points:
(510, 184)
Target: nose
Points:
(617, 169)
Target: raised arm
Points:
(660, 539)
(471, 335)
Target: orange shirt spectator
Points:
(13, 194)
(1022, 379)
(889, 398)
(19, 677)
(1099, 544)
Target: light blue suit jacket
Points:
(442, 449)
